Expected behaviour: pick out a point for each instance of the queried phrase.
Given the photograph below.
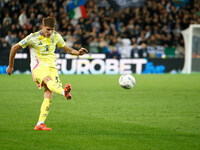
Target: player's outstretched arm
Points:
(72, 51)
(13, 52)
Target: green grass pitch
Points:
(162, 112)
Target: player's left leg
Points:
(44, 110)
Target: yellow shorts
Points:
(40, 73)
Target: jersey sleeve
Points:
(61, 42)
(26, 41)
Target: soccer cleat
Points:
(42, 127)
(68, 88)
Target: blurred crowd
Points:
(151, 31)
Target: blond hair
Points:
(49, 21)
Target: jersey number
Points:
(47, 47)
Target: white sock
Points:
(63, 92)
(40, 122)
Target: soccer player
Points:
(43, 64)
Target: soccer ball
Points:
(127, 81)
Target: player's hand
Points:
(82, 51)
(9, 70)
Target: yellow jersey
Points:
(42, 49)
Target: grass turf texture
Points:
(162, 112)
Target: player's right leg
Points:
(57, 88)
(44, 111)
(67, 90)
(55, 76)
(50, 78)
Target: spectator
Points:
(27, 26)
(142, 52)
(115, 53)
(14, 40)
(22, 18)
(15, 19)
(103, 44)
(6, 28)
(4, 46)
(94, 45)
(134, 51)
(177, 29)
(69, 39)
(9, 38)
(96, 25)
(125, 48)
(7, 18)
(14, 6)
(32, 19)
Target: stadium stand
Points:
(153, 30)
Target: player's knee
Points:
(48, 93)
(47, 79)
